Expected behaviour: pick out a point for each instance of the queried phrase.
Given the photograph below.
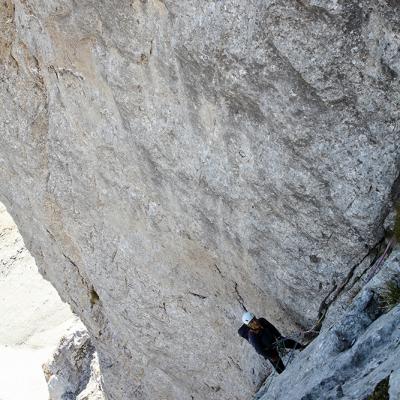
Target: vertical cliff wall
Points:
(170, 162)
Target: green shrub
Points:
(381, 391)
(391, 295)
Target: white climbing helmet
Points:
(247, 317)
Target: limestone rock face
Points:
(352, 356)
(170, 162)
(394, 385)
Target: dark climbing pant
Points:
(273, 356)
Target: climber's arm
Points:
(271, 328)
(243, 331)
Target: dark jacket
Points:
(263, 340)
(243, 331)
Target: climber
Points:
(266, 339)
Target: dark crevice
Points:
(198, 295)
(69, 259)
(51, 236)
(237, 365)
(377, 248)
(239, 297)
(219, 270)
(94, 297)
(333, 295)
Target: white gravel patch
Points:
(33, 318)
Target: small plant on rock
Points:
(391, 295)
(381, 391)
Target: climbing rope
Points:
(375, 269)
(280, 345)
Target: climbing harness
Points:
(280, 346)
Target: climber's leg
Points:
(275, 360)
(292, 344)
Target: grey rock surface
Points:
(352, 356)
(169, 162)
(394, 385)
(73, 373)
